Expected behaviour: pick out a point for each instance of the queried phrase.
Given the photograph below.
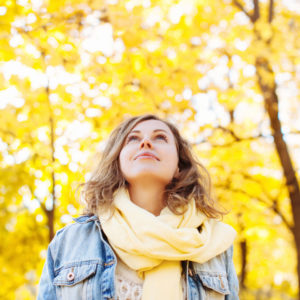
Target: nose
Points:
(146, 143)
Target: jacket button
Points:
(70, 276)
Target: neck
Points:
(149, 197)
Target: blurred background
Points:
(226, 72)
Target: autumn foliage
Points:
(226, 72)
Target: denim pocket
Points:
(74, 280)
(215, 285)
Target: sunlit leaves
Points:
(75, 69)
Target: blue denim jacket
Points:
(81, 264)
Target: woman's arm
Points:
(232, 277)
(46, 290)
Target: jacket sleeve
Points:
(232, 277)
(46, 289)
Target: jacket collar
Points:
(85, 219)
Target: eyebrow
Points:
(138, 131)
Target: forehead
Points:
(151, 125)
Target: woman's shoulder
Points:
(80, 224)
(82, 235)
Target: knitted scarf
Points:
(155, 245)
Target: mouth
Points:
(146, 155)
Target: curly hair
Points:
(193, 181)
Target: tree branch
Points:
(255, 15)
(273, 206)
(37, 198)
(238, 138)
(235, 137)
(271, 11)
(8, 132)
(241, 7)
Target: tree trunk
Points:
(243, 246)
(50, 212)
(267, 85)
(50, 216)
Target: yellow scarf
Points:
(155, 245)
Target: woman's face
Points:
(149, 153)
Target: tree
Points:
(72, 70)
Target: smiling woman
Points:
(192, 181)
(151, 229)
(148, 162)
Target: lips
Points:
(146, 154)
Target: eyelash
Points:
(134, 137)
(162, 136)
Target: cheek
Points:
(172, 159)
(124, 160)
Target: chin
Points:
(148, 177)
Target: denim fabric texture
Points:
(81, 265)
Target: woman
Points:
(151, 229)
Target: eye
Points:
(162, 137)
(132, 138)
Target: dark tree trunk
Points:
(51, 211)
(243, 246)
(267, 85)
(50, 216)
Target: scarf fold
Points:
(155, 245)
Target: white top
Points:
(129, 286)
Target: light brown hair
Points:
(193, 181)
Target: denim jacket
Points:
(81, 265)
